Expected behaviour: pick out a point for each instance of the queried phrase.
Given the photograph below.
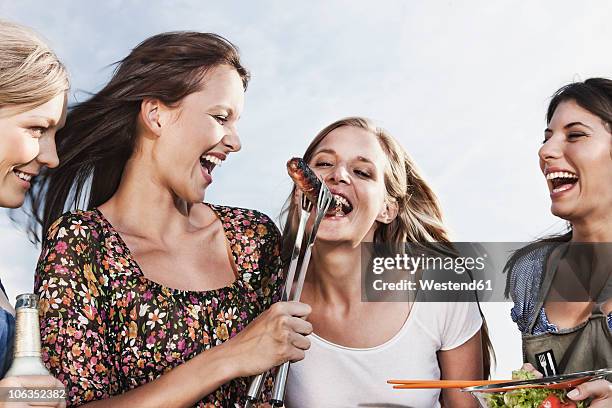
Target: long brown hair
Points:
(100, 133)
(419, 218)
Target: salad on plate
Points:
(531, 397)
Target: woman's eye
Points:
(220, 118)
(37, 131)
(322, 164)
(575, 135)
(362, 173)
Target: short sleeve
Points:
(525, 281)
(460, 323)
(272, 279)
(73, 312)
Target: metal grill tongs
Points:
(324, 201)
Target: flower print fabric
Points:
(106, 329)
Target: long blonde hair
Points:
(30, 72)
(419, 218)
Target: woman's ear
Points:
(149, 115)
(389, 212)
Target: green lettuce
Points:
(527, 397)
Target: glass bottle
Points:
(26, 352)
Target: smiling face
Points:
(352, 163)
(27, 144)
(576, 159)
(199, 134)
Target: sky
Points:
(463, 85)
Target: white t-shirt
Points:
(334, 376)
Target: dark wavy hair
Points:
(100, 133)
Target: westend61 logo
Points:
(464, 271)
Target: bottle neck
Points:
(27, 333)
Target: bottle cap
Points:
(27, 300)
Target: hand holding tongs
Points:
(324, 200)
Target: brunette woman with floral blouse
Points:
(151, 297)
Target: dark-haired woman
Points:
(150, 297)
(576, 161)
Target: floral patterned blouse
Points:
(106, 329)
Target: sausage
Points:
(304, 178)
(307, 181)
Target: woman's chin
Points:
(340, 236)
(198, 195)
(330, 235)
(190, 197)
(11, 199)
(327, 235)
(565, 211)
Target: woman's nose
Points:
(231, 140)
(551, 149)
(339, 174)
(47, 155)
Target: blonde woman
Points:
(356, 346)
(33, 86)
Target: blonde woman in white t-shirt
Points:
(356, 346)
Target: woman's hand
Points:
(34, 382)
(274, 337)
(600, 391)
(532, 369)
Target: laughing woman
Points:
(357, 346)
(576, 161)
(151, 297)
(33, 86)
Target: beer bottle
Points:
(26, 351)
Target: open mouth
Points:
(562, 180)
(209, 162)
(23, 176)
(340, 207)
